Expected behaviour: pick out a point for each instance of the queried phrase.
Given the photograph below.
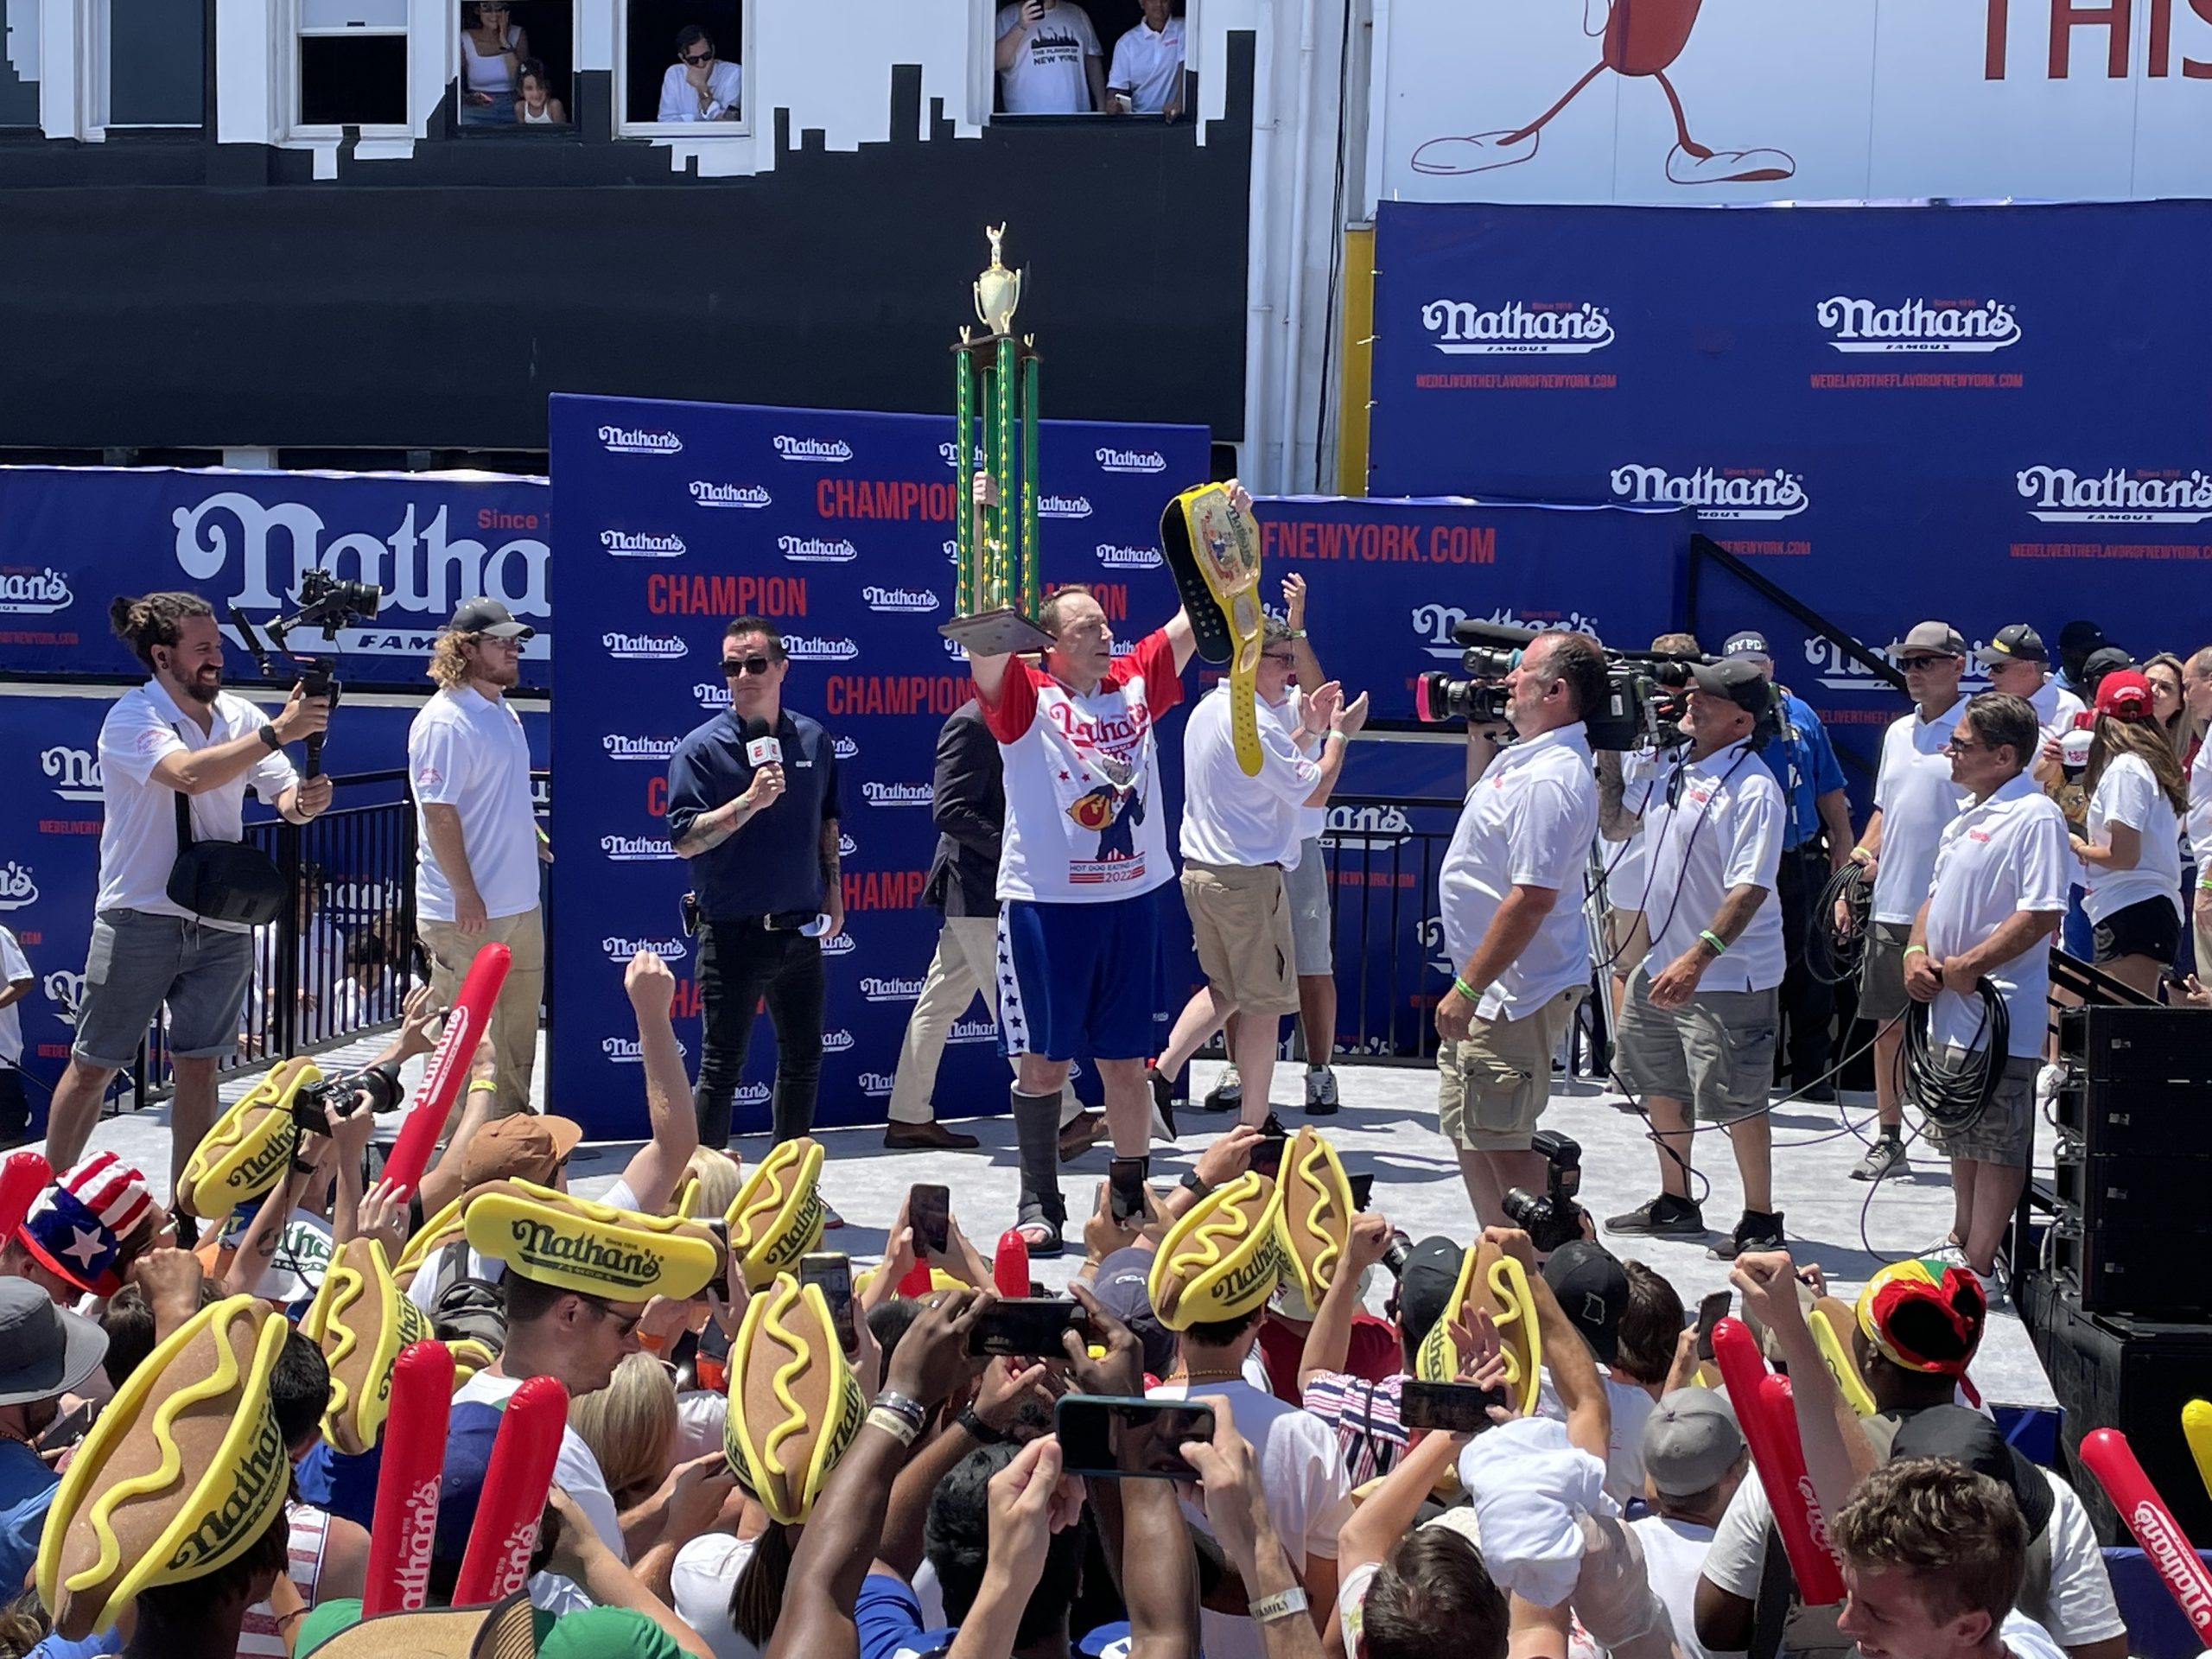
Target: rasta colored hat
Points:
(362, 1322)
(593, 1249)
(76, 1227)
(1315, 1218)
(250, 1147)
(181, 1474)
(1924, 1314)
(1222, 1258)
(777, 1214)
(1488, 1272)
(794, 1403)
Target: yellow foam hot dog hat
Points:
(250, 1147)
(594, 1249)
(434, 1234)
(363, 1322)
(1316, 1217)
(794, 1403)
(776, 1216)
(1223, 1258)
(1497, 1279)
(183, 1471)
(1829, 1320)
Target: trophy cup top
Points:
(998, 290)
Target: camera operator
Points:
(1522, 957)
(179, 738)
(1697, 1033)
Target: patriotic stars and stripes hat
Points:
(78, 1225)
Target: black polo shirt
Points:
(775, 862)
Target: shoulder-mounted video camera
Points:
(1643, 708)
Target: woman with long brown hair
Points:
(2131, 855)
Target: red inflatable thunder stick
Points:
(497, 1562)
(23, 1176)
(406, 1519)
(2113, 1462)
(1010, 1264)
(1770, 1424)
(449, 1067)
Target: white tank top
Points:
(484, 73)
(544, 120)
(258, 1637)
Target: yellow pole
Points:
(1355, 375)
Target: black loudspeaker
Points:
(2111, 1371)
(2105, 1044)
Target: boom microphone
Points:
(761, 748)
(1492, 634)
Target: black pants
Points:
(15, 1110)
(1807, 1004)
(740, 964)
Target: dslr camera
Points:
(1552, 1218)
(314, 1106)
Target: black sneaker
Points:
(1665, 1216)
(1163, 1095)
(1822, 1093)
(1273, 1125)
(1754, 1232)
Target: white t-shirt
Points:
(2128, 793)
(576, 1471)
(1308, 1493)
(1047, 76)
(679, 99)
(1673, 1559)
(1527, 822)
(466, 751)
(1917, 799)
(1628, 863)
(1722, 830)
(1229, 818)
(1312, 820)
(138, 840)
(1631, 1405)
(701, 1582)
(1151, 64)
(2200, 811)
(15, 967)
(2007, 854)
(2055, 708)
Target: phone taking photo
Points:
(1125, 1189)
(833, 1273)
(1109, 1437)
(1454, 1407)
(1028, 1327)
(1363, 1189)
(929, 1212)
(1710, 1312)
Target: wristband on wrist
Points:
(903, 1405)
(1281, 1605)
(301, 1167)
(1860, 855)
(1922, 949)
(979, 1431)
(1465, 990)
(483, 1086)
(1297, 633)
(892, 1424)
(1719, 946)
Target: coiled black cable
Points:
(1953, 1099)
(1832, 954)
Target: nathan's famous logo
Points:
(636, 849)
(1838, 670)
(617, 748)
(1865, 326)
(639, 647)
(628, 1051)
(751, 497)
(2116, 496)
(954, 650)
(816, 549)
(539, 1243)
(836, 1042)
(2175, 1557)
(76, 773)
(813, 449)
(900, 599)
(890, 990)
(876, 1084)
(973, 1031)
(1373, 828)
(949, 453)
(1547, 328)
(252, 1477)
(712, 694)
(897, 794)
(1434, 624)
(846, 845)
(419, 1532)
(1715, 492)
(1064, 506)
(260, 550)
(843, 748)
(34, 592)
(807, 648)
(17, 888)
(639, 440)
(621, 949)
(634, 544)
(842, 945)
(1129, 460)
(1128, 558)
(1431, 934)
(65, 989)
(247, 1178)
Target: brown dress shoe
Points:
(1080, 1134)
(931, 1136)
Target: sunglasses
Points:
(626, 1325)
(733, 666)
(1967, 747)
(707, 56)
(1913, 664)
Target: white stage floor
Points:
(1389, 1126)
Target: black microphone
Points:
(1502, 633)
(761, 748)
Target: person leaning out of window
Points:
(700, 86)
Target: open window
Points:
(19, 64)
(517, 66)
(697, 87)
(352, 67)
(152, 64)
(1140, 45)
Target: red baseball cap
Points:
(2125, 694)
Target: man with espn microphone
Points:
(753, 804)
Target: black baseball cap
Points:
(488, 616)
(2082, 636)
(2017, 644)
(1591, 1287)
(1965, 1436)
(1738, 680)
(1749, 643)
(1425, 1288)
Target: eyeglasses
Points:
(733, 666)
(707, 56)
(1914, 664)
(1278, 657)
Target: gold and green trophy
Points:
(998, 548)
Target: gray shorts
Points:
(2006, 1131)
(1716, 1052)
(1307, 889)
(138, 963)
(1881, 976)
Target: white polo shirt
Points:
(466, 751)
(2128, 793)
(1626, 862)
(2007, 854)
(1047, 76)
(138, 840)
(1229, 818)
(2200, 811)
(1721, 829)
(679, 99)
(1917, 799)
(2055, 708)
(1527, 822)
(1151, 64)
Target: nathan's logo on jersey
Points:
(639, 440)
(1128, 558)
(76, 773)
(900, 599)
(34, 592)
(750, 496)
(890, 990)
(2116, 496)
(637, 647)
(1129, 460)
(1064, 506)
(1373, 828)
(1543, 328)
(636, 544)
(17, 888)
(815, 550)
(636, 849)
(621, 949)
(803, 648)
(813, 449)
(1866, 326)
(897, 794)
(1715, 492)
(636, 748)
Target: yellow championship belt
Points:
(794, 1403)
(1487, 1271)
(1222, 1258)
(249, 1148)
(1316, 1214)
(1214, 552)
